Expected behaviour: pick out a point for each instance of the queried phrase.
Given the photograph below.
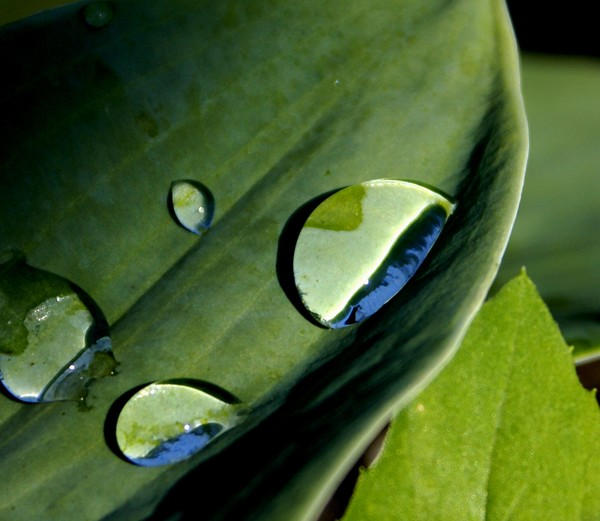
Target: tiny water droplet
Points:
(169, 421)
(361, 245)
(98, 14)
(54, 340)
(192, 205)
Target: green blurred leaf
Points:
(269, 105)
(555, 233)
(505, 432)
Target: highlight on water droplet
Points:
(192, 205)
(98, 14)
(169, 421)
(54, 340)
(361, 245)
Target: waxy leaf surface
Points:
(269, 105)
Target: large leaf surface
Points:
(269, 105)
(505, 432)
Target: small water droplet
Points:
(192, 205)
(336, 83)
(98, 14)
(362, 244)
(55, 340)
(169, 421)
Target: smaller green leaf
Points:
(505, 432)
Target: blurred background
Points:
(557, 233)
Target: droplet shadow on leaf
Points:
(110, 423)
(285, 253)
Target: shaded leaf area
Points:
(559, 218)
(97, 125)
(505, 432)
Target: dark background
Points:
(561, 28)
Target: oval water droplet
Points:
(192, 205)
(54, 340)
(362, 244)
(169, 421)
(98, 14)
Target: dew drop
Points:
(98, 14)
(169, 421)
(54, 340)
(362, 244)
(192, 205)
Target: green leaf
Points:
(559, 217)
(269, 106)
(505, 432)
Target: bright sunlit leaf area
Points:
(505, 432)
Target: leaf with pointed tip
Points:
(269, 105)
(505, 432)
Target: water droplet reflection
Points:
(166, 422)
(98, 14)
(192, 205)
(53, 338)
(362, 244)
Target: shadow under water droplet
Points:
(285, 253)
(110, 423)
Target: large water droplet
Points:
(53, 338)
(361, 245)
(98, 14)
(192, 204)
(166, 422)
